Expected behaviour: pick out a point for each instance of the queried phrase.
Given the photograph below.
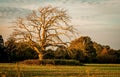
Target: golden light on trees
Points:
(44, 28)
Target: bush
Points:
(31, 62)
(66, 62)
(48, 61)
(52, 62)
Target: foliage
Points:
(97, 47)
(109, 56)
(52, 62)
(1, 41)
(50, 54)
(93, 52)
(3, 54)
(77, 54)
(66, 62)
(62, 53)
(85, 46)
(18, 51)
(31, 62)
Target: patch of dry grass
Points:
(90, 70)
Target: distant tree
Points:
(43, 28)
(97, 47)
(77, 54)
(62, 53)
(10, 44)
(10, 48)
(85, 45)
(50, 54)
(17, 51)
(1, 41)
(118, 55)
(108, 55)
(3, 54)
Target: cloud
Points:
(104, 13)
(19, 1)
(82, 11)
(92, 17)
(9, 13)
(88, 11)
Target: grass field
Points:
(89, 70)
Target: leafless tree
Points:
(43, 28)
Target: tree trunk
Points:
(40, 56)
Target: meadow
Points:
(89, 70)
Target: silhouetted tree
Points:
(62, 53)
(108, 55)
(1, 41)
(3, 54)
(50, 54)
(17, 51)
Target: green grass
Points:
(89, 70)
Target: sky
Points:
(99, 19)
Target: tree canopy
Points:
(43, 28)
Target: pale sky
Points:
(99, 19)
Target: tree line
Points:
(82, 49)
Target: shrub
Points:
(52, 62)
(66, 62)
(31, 62)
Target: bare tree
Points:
(43, 28)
